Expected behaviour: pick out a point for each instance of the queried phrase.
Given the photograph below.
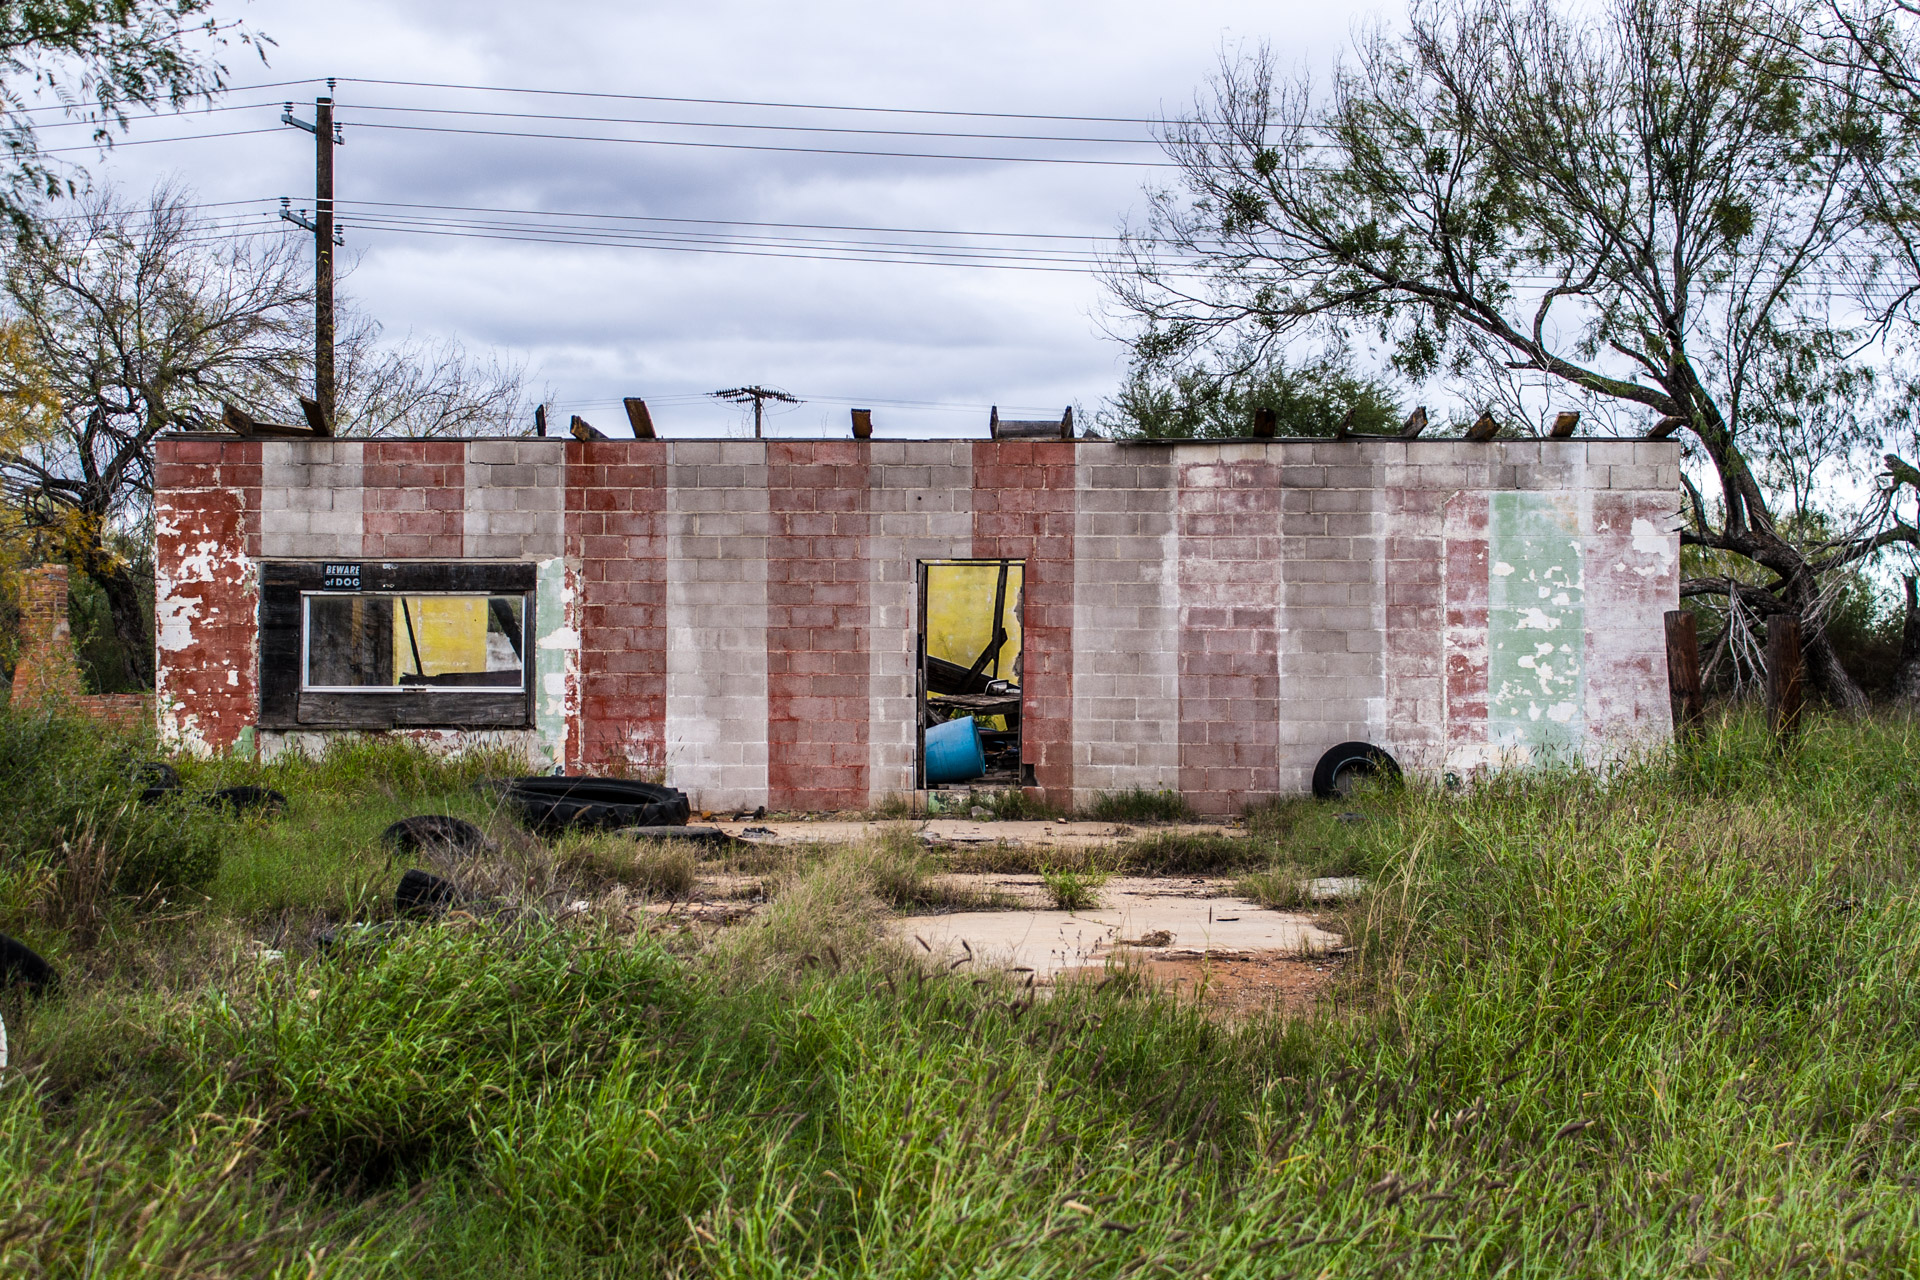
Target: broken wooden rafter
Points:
(316, 417)
(638, 418)
(1030, 429)
(246, 425)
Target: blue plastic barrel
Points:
(954, 753)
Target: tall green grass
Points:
(1654, 1022)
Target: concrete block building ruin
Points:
(747, 619)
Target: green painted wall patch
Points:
(1536, 626)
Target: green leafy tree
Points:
(1199, 401)
(98, 59)
(1648, 208)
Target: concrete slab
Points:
(963, 831)
(1335, 888)
(1153, 917)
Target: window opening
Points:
(971, 651)
(363, 643)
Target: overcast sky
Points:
(928, 347)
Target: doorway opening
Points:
(970, 654)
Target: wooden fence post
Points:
(1683, 674)
(1786, 677)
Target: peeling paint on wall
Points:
(205, 588)
(1536, 623)
(556, 656)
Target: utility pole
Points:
(759, 396)
(326, 237)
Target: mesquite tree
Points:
(140, 319)
(133, 318)
(1650, 212)
(97, 59)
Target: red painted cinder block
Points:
(1229, 643)
(1020, 489)
(413, 499)
(818, 659)
(615, 526)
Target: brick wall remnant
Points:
(48, 673)
(46, 670)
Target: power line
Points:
(744, 146)
(643, 235)
(105, 122)
(736, 102)
(727, 222)
(94, 105)
(735, 124)
(749, 253)
(112, 145)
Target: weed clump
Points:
(1282, 888)
(72, 802)
(1137, 804)
(1073, 890)
(1012, 804)
(657, 868)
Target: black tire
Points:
(435, 833)
(552, 805)
(550, 817)
(21, 966)
(422, 894)
(599, 790)
(248, 799)
(157, 780)
(1349, 762)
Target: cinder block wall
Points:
(738, 615)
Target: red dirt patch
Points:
(1234, 984)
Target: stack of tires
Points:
(549, 806)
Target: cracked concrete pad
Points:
(1134, 912)
(963, 832)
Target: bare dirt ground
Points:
(1235, 986)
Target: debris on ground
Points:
(712, 837)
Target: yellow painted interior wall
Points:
(451, 630)
(960, 613)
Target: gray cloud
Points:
(597, 323)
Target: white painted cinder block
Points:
(1125, 573)
(904, 532)
(716, 730)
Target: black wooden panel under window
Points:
(283, 705)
